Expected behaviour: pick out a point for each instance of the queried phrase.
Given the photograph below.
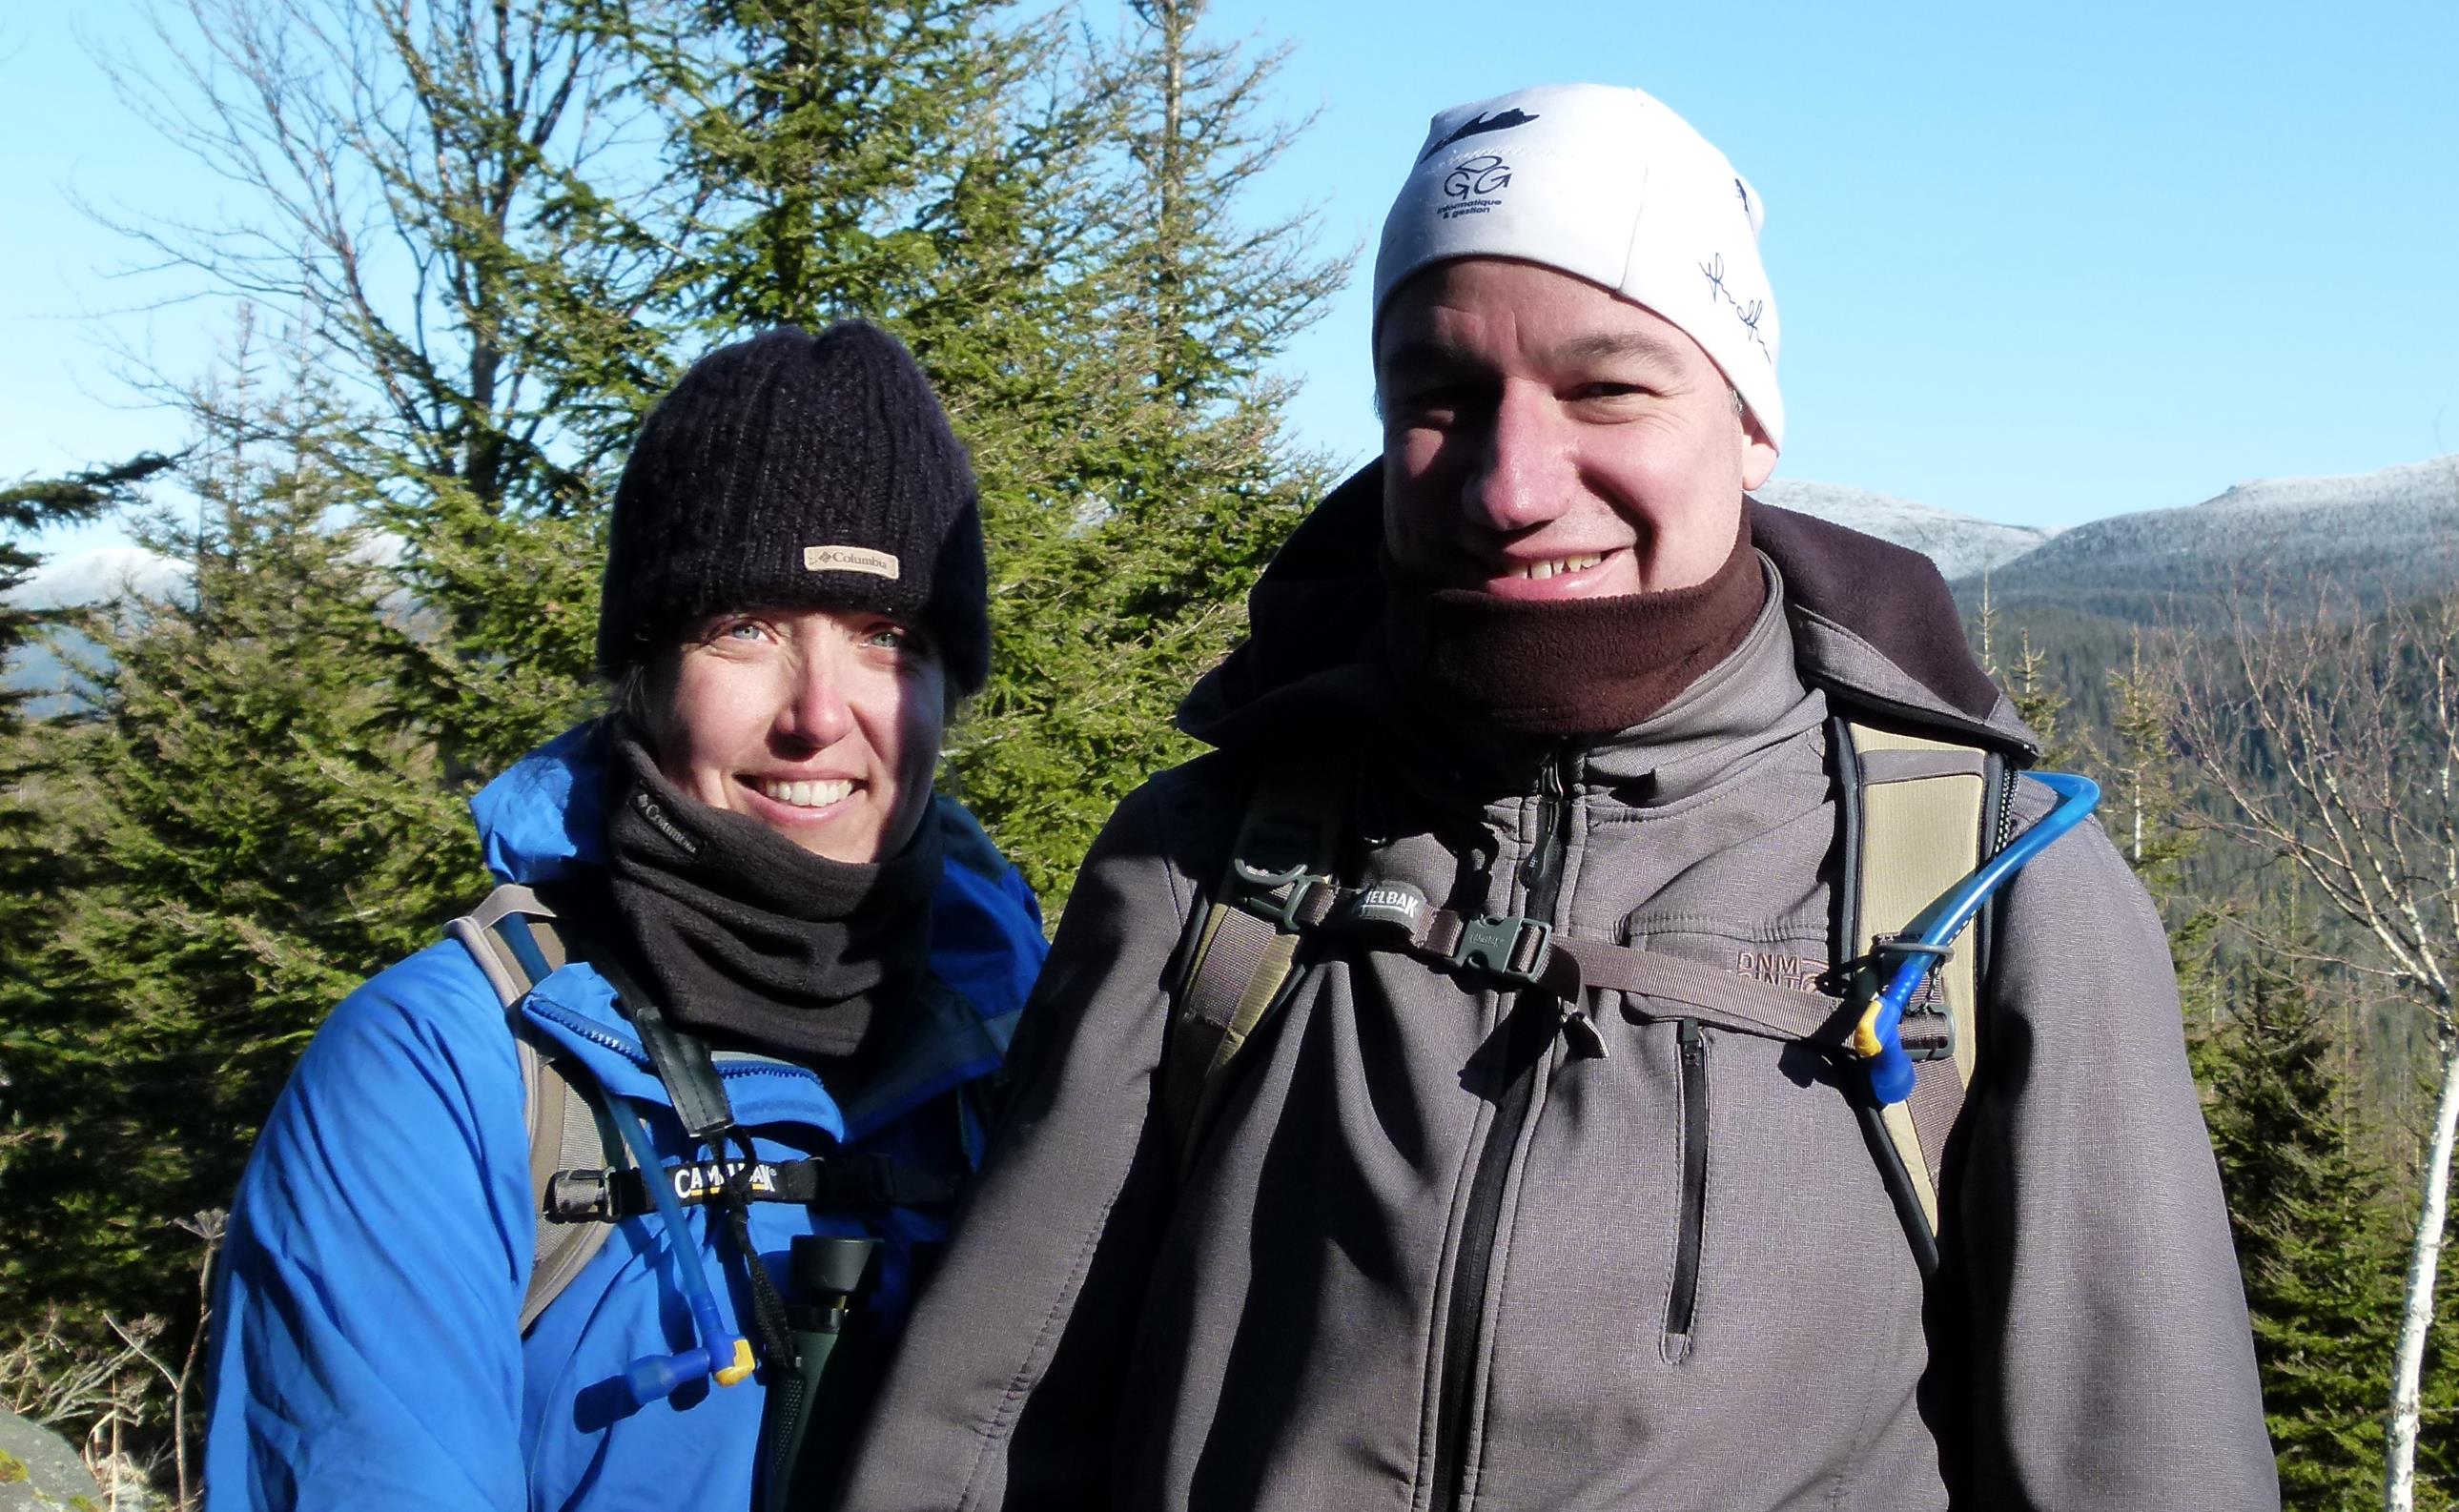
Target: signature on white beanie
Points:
(1609, 185)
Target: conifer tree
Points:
(1095, 320)
(32, 868)
(244, 811)
(1125, 576)
(2320, 1252)
(2146, 817)
(26, 509)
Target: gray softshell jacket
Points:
(1430, 1252)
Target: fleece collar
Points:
(1872, 622)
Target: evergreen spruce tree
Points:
(2320, 1251)
(26, 509)
(1123, 570)
(2145, 807)
(242, 816)
(1067, 263)
(33, 868)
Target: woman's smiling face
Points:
(822, 723)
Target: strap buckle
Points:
(580, 1196)
(1927, 1027)
(1512, 949)
(1276, 896)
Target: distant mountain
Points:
(2388, 535)
(93, 576)
(100, 574)
(1959, 544)
(37, 669)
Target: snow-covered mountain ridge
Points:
(1960, 544)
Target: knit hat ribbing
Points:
(798, 472)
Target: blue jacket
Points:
(366, 1349)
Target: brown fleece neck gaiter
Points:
(1577, 667)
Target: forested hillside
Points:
(468, 245)
(2379, 536)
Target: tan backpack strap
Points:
(510, 935)
(1244, 960)
(567, 1132)
(1924, 820)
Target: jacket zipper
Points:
(1682, 1305)
(1533, 1026)
(730, 1063)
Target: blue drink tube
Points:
(653, 1377)
(1879, 1037)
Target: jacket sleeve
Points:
(2101, 1317)
(1004, 1391)
(366, 1338)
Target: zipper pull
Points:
(1580, 1028)
(1544, 860)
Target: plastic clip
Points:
(1510, 950)
(1277, 896)
(580, 1196)
(1931, 1008)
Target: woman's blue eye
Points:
(743, 630)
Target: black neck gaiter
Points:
(746, 937)
(1580, 667)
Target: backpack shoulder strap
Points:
(512, 937)
(1919, 814)
(1243, 958)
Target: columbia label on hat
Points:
(849, 558)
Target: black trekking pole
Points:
(814, 1408)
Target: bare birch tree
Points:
(2334, 738)
(448, 194)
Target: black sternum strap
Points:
(606, 1195)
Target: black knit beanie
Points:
(798, 472)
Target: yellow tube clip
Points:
(743, 1366)
(1865, 1034)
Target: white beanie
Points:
(1609, 185)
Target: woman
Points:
(769, 920)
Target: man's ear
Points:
(1758, 454)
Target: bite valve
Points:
(653, 1378)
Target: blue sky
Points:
(2036, 263)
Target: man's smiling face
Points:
(1543, 439)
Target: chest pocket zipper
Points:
(1682, 1302)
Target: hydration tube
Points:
(653, 1377)
(1879, 1038)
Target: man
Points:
(1439, 1237)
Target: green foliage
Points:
(33, 506)
(1052, 228)
(2144, 805)
(501, 230)
(2321, 1249)
(244, 823)
(2041, 698)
